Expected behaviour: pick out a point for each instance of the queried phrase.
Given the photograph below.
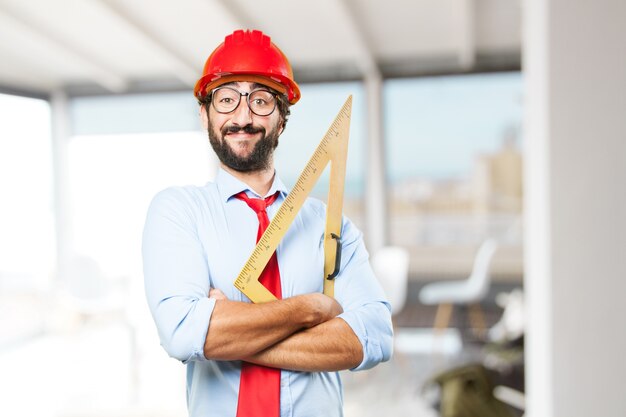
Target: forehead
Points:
(245, 85)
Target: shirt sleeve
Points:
(365, 307)
(176, 275)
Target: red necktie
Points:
(259, 387)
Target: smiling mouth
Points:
(241, 140)
(240, 134)
(248, 129)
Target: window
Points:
(310, 119)
(454, 166)
(112, 181)
(27, 243)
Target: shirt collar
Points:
(228, 186)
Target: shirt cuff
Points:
(377, 343)
(186, 343)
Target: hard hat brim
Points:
(201, 89)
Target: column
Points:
(62, 214)
(575, 176)
(376, 185)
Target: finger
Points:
(217, 294)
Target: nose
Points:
(242, 115)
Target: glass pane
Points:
(113, 178)
(27, 248)
(310, 119)
(455, 168)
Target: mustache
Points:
(249, 129)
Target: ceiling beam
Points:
(17, 91)
(22, 73)
(236, 14)
(467, 33)
(183, 69)
(96, 70)
(366, 60)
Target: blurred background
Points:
(486, 168)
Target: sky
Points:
(433, 126)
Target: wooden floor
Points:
(419, 315)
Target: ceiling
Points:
(118, 46)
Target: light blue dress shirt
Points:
(200, 237)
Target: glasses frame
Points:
(247, 96)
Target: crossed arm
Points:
(300, 333)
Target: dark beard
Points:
(259, 159)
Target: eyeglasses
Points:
(226, 99)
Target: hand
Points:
(320, 307)
(217, 294)
(323, 307)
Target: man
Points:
(244, 359)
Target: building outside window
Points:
(454, 170)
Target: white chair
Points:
(391, 267)
(468, 292)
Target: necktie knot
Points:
(257, 204)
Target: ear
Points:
(282, 126)
(204, 117)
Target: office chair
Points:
(470, 291)
(391, 267)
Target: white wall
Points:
(575, 69)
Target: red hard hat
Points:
(249, 53)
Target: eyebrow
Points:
(254, 85)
